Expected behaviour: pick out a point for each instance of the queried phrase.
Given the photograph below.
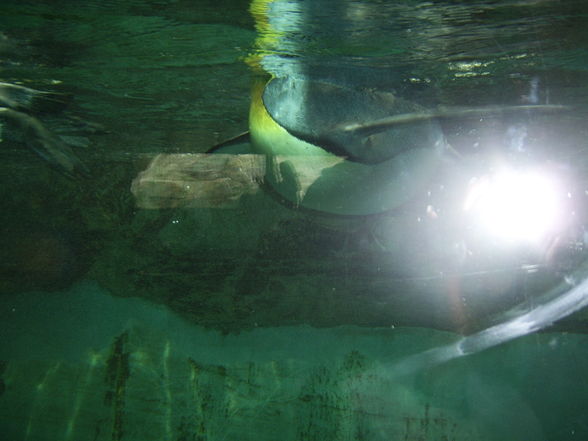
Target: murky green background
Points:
(148, 78)
(170, 77)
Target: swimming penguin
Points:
(21, 127)
(313, 164)
(350, 151)
(18, 126)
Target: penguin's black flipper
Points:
(20, 127)
(239, 139)
(382, 124)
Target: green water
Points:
(169, 296)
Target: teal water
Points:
(292, 382)
(149, 290)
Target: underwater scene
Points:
(293, 220)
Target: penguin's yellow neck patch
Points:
(268, 137)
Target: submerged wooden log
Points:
(197, 180)
(218, 180)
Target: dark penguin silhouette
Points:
(18, 125)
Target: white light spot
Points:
(515, 206)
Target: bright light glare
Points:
(516, 206)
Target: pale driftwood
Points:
(218, 180)
(197, 180)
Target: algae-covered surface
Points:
(145, 374)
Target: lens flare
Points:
(516, 206)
